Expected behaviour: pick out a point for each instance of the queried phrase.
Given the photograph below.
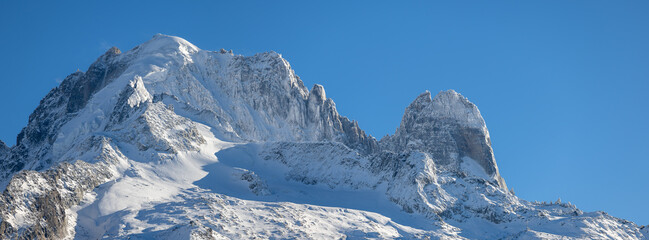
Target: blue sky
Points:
(562, 85)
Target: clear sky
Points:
(562, 85)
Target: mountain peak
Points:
(165, 44)
(447, 104)
(203, 144)
(450, 129)
(449, 96)
(450, 104)
(113, 51)
(424, 97)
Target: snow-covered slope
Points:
(168, 141)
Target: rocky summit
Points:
(169, 141)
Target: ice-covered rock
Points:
(451, 130)
(35, 205)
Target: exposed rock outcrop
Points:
(56, 109)
(34, 204)
(450, 129)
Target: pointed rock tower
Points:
(449, 128)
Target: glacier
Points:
(169, 141)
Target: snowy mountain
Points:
(168, 141)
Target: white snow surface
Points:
(213, 145)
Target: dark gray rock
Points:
(98, 75)
(43, 197)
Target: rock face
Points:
(34, 142)
(4, 150)
(168, 141)
(450, 129)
